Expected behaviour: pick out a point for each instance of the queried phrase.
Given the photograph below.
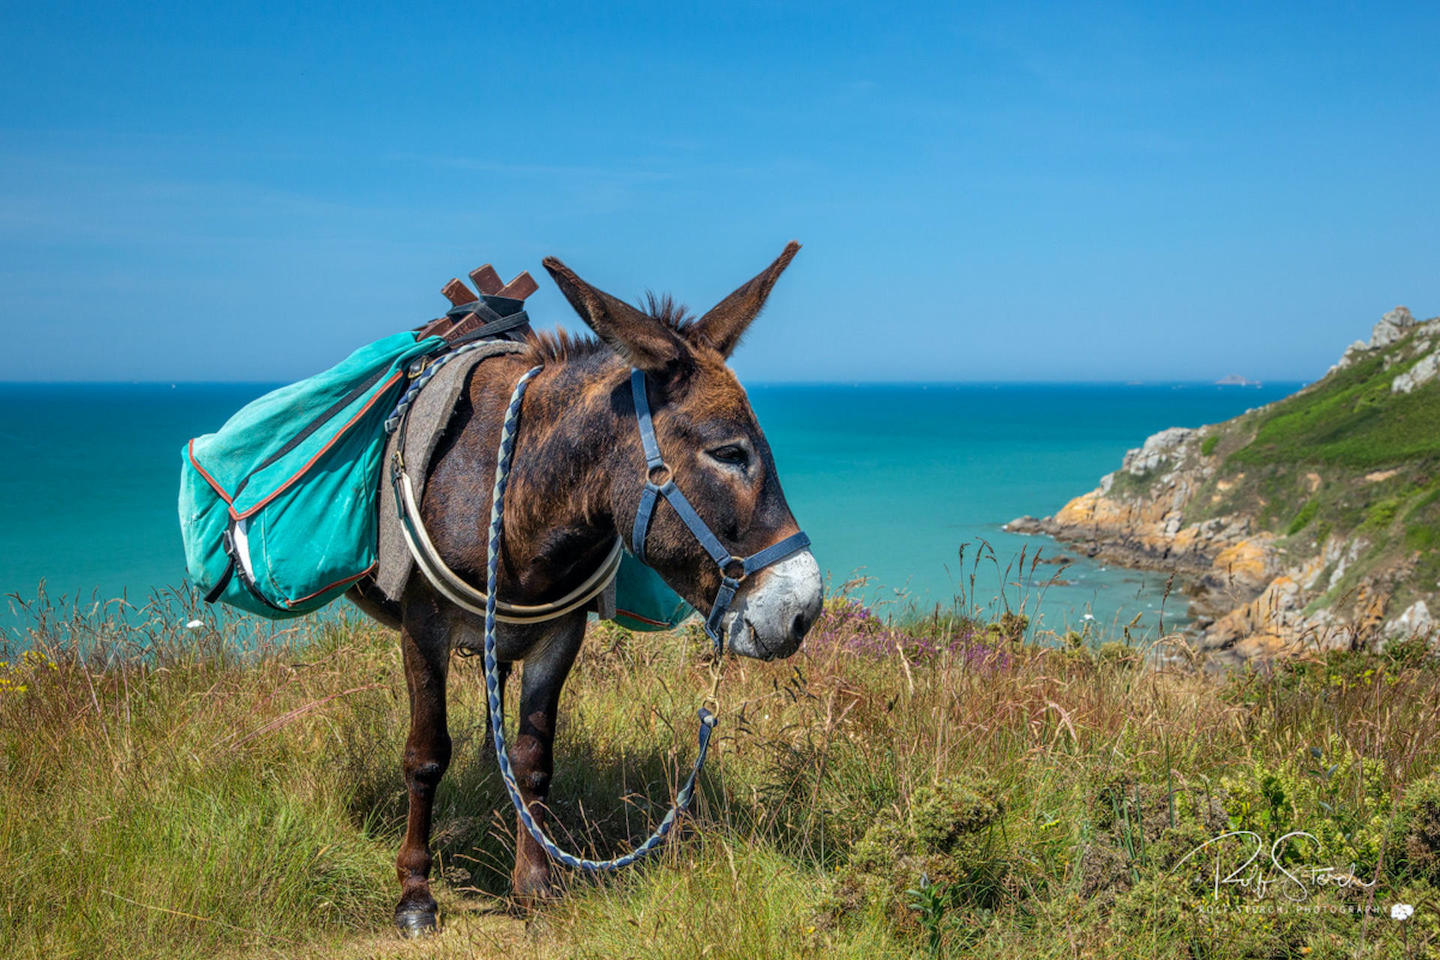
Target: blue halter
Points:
(656, 469)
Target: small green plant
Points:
(1303, 518)
(944, 866)
(931, 902)
(1328, 792)
(1412, 850)
(1117, 653)
(1208, 445)
(1009, 627)
(1382, 513)
(1422, 537)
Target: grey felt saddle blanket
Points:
(428, 417)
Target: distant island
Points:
(1311, 523)
(1236, 380)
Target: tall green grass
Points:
(935, 788)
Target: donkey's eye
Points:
(732, 454)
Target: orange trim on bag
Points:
(190, 452)
(337, 583)
(379, 392)
(636, 616)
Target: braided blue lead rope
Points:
(492, 678)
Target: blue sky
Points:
(985, 192)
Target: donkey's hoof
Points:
(415, 922)
(532, 890)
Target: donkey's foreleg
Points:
(427, 754)
(532, 757)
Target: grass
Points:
(1303, 517)
(1351, 419)
(939, 787)
(1131, 485)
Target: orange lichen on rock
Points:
(1248, 562)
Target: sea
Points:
(903, 489)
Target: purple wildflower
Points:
(850, 627)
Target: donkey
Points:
(577, 479)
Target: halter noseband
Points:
(657, 469)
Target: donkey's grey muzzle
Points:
(771, 616)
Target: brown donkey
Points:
(576, 481)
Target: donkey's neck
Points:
(559, 524)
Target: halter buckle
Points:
(659, 474)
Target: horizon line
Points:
(1252, 384)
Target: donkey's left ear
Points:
(640, 339)
(726, 323)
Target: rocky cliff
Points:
(1311, 523)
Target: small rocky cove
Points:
(1309, 524)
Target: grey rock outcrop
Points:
(1414, 622)
(1392, 327)
(1418, 375)
(1352, 353)
(1159, 449)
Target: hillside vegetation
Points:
(937, 788)
(1311, 522)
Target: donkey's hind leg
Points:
(425, 644)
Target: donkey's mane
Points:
(668, 310)
(561, 345)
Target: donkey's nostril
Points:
(800, 627)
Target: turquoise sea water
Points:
(889, 481)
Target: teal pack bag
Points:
(643, 601)
(278, 507)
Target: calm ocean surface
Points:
(889, 481)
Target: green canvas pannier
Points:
(643, 601)
(278, 508)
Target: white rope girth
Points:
(451, 586)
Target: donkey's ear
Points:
(639, 338)
(726, 323)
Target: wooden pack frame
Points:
(487, 281)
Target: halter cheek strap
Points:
(659, 482)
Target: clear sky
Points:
(985, 192)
